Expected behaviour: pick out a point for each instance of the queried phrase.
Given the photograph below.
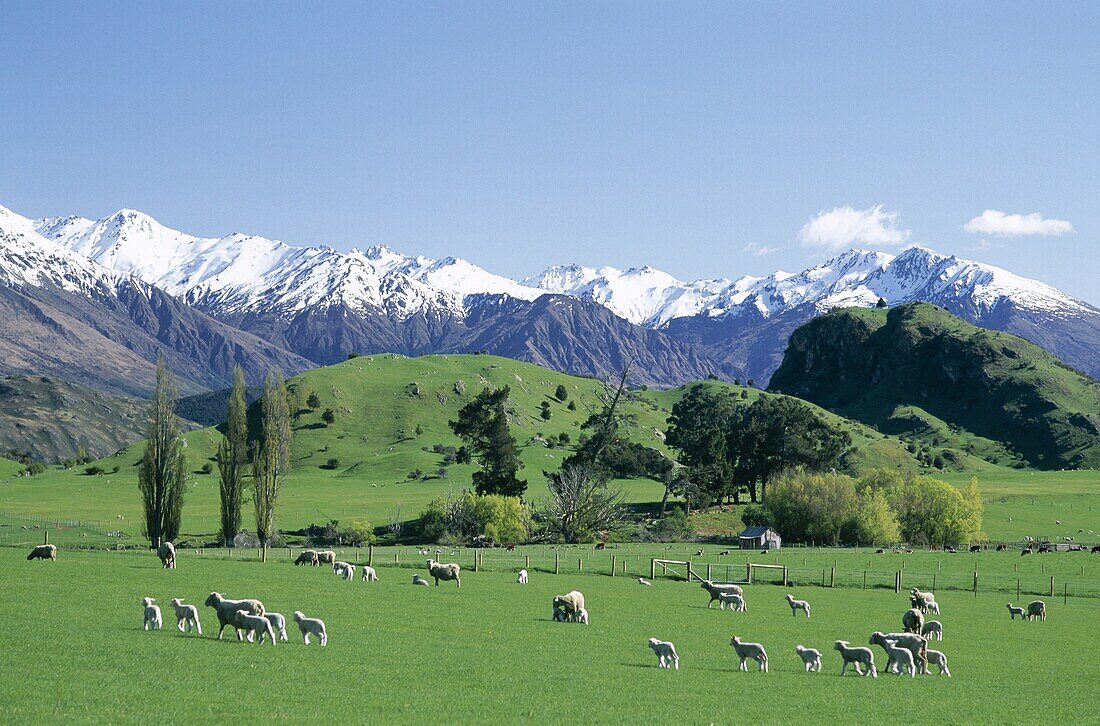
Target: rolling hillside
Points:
(922, 373)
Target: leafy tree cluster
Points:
(501, 518)
(483, 425)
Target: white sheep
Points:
(153, 619)
(749, 650)
(167, 554)
(570, 602)
(1037, 609)
(522, 577)
(43, 552)
(346, 570)
(643, 581)
(897, 658)
(255, 625)
(735, 601)
(326, 557)
(581, 616)
(932, 628)
(666, 653)
(312, 626)
(369, 574)
(1013, 611)
(797, 605)
(912, 642)
(307, 557)
(278, 624)
(227, 611)
(713, 589)
(912, 620)
(939, 660)
(186, 616)
(811, 658)
(418, 580)
(446, 572)
(856, 656)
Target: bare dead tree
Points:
(582, 503)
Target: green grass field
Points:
(488, 653)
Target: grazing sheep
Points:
(326, 557)
(932, 628)
(308, 557)
(43, 552)
(345, 570)
(1013, 611)
(167, 554)
(715, 589)
(923, 601)
(278, 624)
(522, 577)
(735, 601)
(186, 616)
(912, 620)
(227, 611)
(643, 581)
(255, 625)
(932, 606)
(797, 605)
(447, 572)
(312, 626)
(418, 580)
(749, 650)
(939, 660)
(666, 653)
(811, 657)
(559, 616)
(855, 656)
(581, 616)
(897, 658)
(570, 602)
(152, 619)
(912, 642)
(1037, 609)
(369, 575)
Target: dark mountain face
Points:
(878, 366)
(110, 342)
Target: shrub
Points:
(34, 468)
(756, 515)
(332, 463)
(572, 406)
(206, 468)
(95, 471)
(503, 518)
(329, 417)
(358, 532)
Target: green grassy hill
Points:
(360, 466)
(946, 387)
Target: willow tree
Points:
(162, 476)
(233, 459)
(271, 454)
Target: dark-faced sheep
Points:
(308, 557)
(43, 552)
(167, 554)
(714, 590)
(227, 611)
(446, 572)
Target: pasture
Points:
(488, 652)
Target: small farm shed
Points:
(755, 538)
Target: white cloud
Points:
(759, 250)
(1017, 225)
(843, 226)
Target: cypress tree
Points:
(233, 459)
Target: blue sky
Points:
(702, 139)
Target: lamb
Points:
(1013, 611)
(797, 605)
(912, 620)
(43, 552)
(167, 554)
(939, 660)
(326, 557)
(749, 650)
(855, 656)
(736, 602)
(522, 577)
(345, 570)
(227, 611)
(923, 601)
(1037, 609)
(559, 616)
(447, 572)
(643, 581)
(811, 657)
(308, 557)
(581, 616)
(896, 658)
(152, 620)
(570, 603)
(666, 653)
(278, 624)
(418, 580)
(932, 628)
(369, 575)
(915, 644)
(312, 626)
(715, 589)
(186, 616)
(255, 625)
(931, 606)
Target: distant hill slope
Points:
(918, 370)
(49, 419)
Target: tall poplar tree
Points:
(162, 474)
(233, 459)
(271, 456)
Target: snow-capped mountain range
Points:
(322, 303)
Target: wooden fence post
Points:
(652, 569)
(865, 579)
(370, 555)
(580, 564)
(556, 567)
(263, 554)
(45, 536)
(933, 582)
(613, 563)
(975, 583)
(1017, 588)
(832, 577)
(1052, 585)
(1065, 594)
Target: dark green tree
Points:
(232, 459)
(483, 425)
(313, 401)
(697, 429)
(561, 393)
(162, 477)
(329, 417)
(544, 411)
(271, 455)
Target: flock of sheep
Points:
(247, 617)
